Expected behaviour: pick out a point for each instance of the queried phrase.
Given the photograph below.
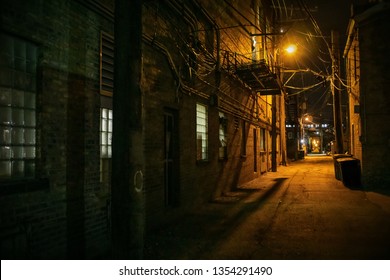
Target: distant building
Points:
(368, 75)
(208, 91)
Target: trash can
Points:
(337, 171)
(350, 171)
(301, 154)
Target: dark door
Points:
(171, 158)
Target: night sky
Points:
(313, 53)
(333, 14)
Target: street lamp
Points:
(290, 49)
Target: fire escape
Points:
(256, 74)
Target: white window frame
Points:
(106, 122)
(202, 132)
(223, 138)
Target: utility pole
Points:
(283, 146)
(127, 213)
(274, 135)
(336, 92)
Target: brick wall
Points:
(374, 84)
(61, 214)
(166, 79)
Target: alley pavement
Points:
(299, 212)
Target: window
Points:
(201, 132)
(18, 61)
(105, 145)
(262, 140)
(222, 136)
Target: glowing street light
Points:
(291, 49)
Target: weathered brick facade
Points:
(64, 211)
(368, 81)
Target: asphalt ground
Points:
(300, 212)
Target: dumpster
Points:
(350, 173)
(337, 171)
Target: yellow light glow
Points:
(291, 48)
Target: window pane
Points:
(109, 139)
(109, 128)
(17, 98)
(5, 168)
(104, 113)
(18, 117)
(29, 152)
(29, 118)
(201, 129)
(29, 135)
(5, 96)
(104, 125)
(18, 152)
(104, 151)
(103, 139)
(5, 136)
(5, 116)
(5, 153)
(29, 100)
(17, 136)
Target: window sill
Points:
(11, 187)
(202, 161)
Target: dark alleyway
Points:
(299, 212)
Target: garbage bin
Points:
(337, 171)
(350, 171)
(301, 154)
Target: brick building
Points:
(367, 63)
(211, 112)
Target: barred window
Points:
(18, 63)
(201, 132)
